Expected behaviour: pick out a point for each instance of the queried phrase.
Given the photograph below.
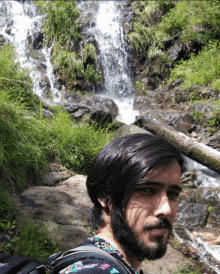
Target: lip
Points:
(158, 231)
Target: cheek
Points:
(137, 211)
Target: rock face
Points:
(64, 208)
(96, 108)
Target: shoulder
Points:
(85, 267)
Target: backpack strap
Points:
(84, 252)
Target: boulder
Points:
(101, 109)
(53, 178)
(64, 209)
(192, 215)
(176, 51)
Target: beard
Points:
(133, 247)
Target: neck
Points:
(108, 236)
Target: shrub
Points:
(24, 143)
(201, 69)
(14, 81)
(61, 23)
(75, 145)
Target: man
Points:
(134, 184)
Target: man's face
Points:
(150, 214)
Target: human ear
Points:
(106, 204)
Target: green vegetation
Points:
(201, 69)
(28, 239)
(28, 142)
(61, 29)
(15, 82)
(187, 270)
(198, 116)
(159, 21)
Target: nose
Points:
(163, 207)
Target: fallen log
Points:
(188, 146)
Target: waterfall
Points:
(22, 29)
(107, 30)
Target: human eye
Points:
(173, 194)
(150, 191)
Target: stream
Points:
(20, 24)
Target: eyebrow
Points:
(147, 183)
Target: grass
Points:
(27, 238)
(28, 142)
(201, 69)
(62, 30)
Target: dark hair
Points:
(121, 165)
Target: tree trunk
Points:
(187, 146)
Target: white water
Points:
(25, 22)
(113, 57)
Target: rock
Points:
(101, 109)
(149, 83)
(55, 177)
(38, 41)
(63, 208)
(44, 81)
(2, 40)
(175, 83)
(176, 51)
(192, 215)
(131, 129)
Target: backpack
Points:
(59, 261)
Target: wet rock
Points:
(73, 97)
(192, 215)
(38, 41)
(101, 109)
(42, 67)
(189, 178)
(2, 40)
(44, 81)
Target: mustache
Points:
(165, 223)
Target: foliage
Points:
(27, 238)
(61, 23)
(187, 270)
(139, 87)
(198, 116)
(214, 121)
(13, 80)
(71, 65)
(33, 241)
(201, 69)
(61, 29)
(24, 143)
(75, 145)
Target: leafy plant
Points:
(61, 23)
(34, 241)
(198, 116)
(200, 69)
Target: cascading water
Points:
(23, 25)
(107, 30)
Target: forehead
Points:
(170, 175)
